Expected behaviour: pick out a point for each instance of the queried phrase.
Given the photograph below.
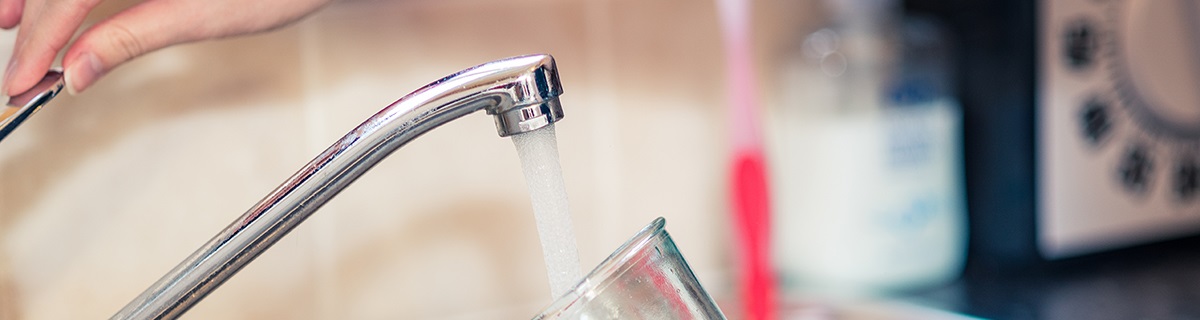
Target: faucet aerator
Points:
(528, 118)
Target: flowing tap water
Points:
(538, 151)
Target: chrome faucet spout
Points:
(521, 93)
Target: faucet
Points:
(521, 93)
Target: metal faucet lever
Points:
(24, 105)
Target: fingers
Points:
(155, 24)
(46, 27)
(10, 13)
(138, 30)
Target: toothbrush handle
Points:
(752, 212)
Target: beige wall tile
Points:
(103, 192)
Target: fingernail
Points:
(80, 74)
(12, 65)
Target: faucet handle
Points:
(23, 105)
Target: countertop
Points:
(1160, 281)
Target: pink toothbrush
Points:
(750, 202)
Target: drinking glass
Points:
(646, 278)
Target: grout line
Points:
(324, 235)
(605, 121)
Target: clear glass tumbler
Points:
(646, 278)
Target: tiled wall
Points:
(102, 193)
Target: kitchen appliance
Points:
(1119, 123)
(1080, 125)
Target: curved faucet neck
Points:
(520, 92)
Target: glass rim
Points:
(608, 269)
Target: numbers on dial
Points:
(1080, 44)
(1187, 178)
(1095, 121)
(1143, 96)
(1136, 168)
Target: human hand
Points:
(45, 27)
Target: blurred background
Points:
(925, 159)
